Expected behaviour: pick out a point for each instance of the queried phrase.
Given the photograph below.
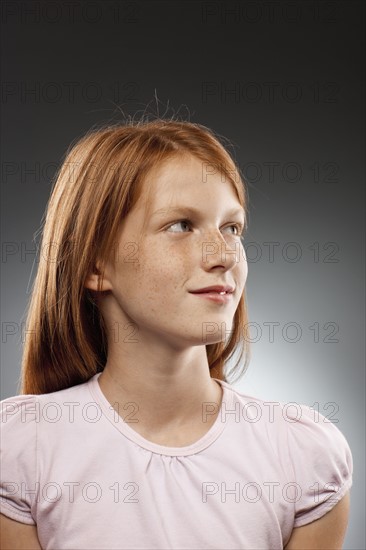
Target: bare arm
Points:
(326, 533)
(17, 536)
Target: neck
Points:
(168, 389)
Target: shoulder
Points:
(312, 451)
(31, 426)
(18, 448)
(297, 427)
(310, 432)
(17, 412)
(320, 461)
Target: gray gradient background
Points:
(133, 48)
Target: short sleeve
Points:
(321, 461)
(18, 447)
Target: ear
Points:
(92, 279)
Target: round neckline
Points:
(207, 439)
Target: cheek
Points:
(158, 270)
(243, 263)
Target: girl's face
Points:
(154, 271)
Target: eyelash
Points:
(238, 226)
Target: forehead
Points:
(179, 165)
(187, 180)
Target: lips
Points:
(219, 289)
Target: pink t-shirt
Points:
(74, 467)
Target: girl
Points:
(127, 432)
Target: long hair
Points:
(98, 183)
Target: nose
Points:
(216, 251)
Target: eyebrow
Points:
(187, 210)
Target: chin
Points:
(207, 339)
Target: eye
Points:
(180, 222)
(239, 229)
(237, 226)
